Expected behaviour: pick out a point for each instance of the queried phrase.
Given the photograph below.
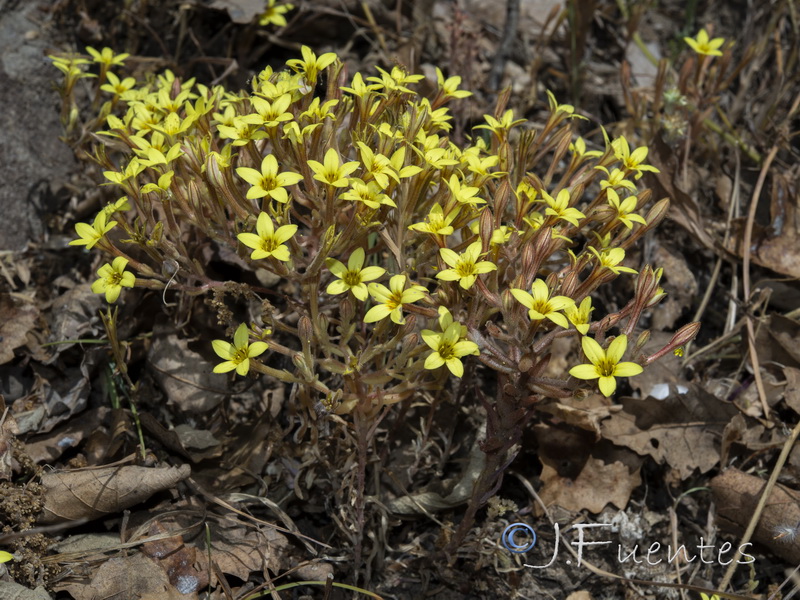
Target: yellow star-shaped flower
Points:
(268, 241)
(238, 354)
(605, 364)
(353, 276)
(703, 45)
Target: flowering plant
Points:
(443, 239)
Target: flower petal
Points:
(584, 372)
(616, 349)
(593, 351)
(627, 369)
(608, 385)
(376, 313)
(223, 349)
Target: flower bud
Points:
(657, 213)
(486, 228)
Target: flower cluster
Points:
(400, 252)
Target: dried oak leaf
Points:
(597, 485)
(682, 430)
(95, 493)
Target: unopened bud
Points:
(486, 228)
(569, 284)
(657, 213)
(501, 199)
(304, 330)
(685, 334)
(641, 341)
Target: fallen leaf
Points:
(17, 318)
(597, 485)
(177, 560)
(185, 376)
(95, 493)
(126, 577)
(682, 430)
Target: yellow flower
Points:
(578, 148)
(465, 267)
(449, 346)
(632, 161)
(311, 64)
(391, 300)
(605, 364)
(268, 242)
(107, 57)
(272, 113)
(359, 88)
(610, 258)
(368, 193)
(376, 165)
(273, 14)
(464, 194)
(501, 127)
(237, 355)
(616, 178)
(5, 556)
(113, 278)
(581, 315)
(91, 234)
(332, 171)
(115, 86)
(449, 87)
(541, 305)
(164, 181)
(624, 209)
(268, 182)
(438, 223)
(353, 276)
(703, 45)
(558, 207)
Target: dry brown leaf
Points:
(239, 550)
(792, 388)
(128, 577)
(177, 560)
(586, 414)
(682, 430)
(95, 493)
(50, 446)
(184, 375)
(597, 485)
(17, 318)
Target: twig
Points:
(751, 527)
(509, 34)
(748, 240)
